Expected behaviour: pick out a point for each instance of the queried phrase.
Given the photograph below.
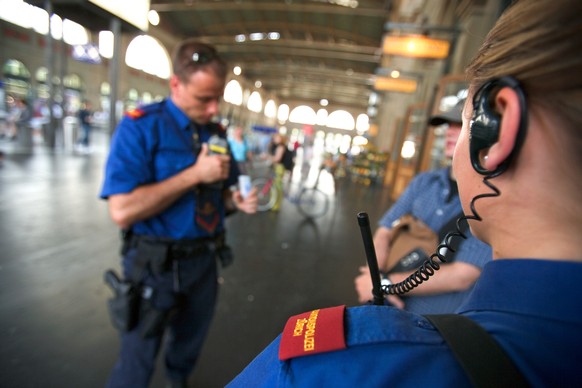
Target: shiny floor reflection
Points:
(56, 240)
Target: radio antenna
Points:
(364, 223)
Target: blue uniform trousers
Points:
(189, 288)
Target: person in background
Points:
(433, 198)
(18, 117)
(522, 135)
(86, 120)
(240, 149)
(282, 159)
(169, 191)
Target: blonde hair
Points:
(539, 42)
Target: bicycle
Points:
(310, 201)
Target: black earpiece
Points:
(484, 126)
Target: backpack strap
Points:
(484, 361)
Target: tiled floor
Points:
(56, 240)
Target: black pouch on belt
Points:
(153, 254)
(124, 306)
(222, 250)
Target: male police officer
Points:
(169, 192)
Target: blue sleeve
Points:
(404, 203)
(263, 371)
(129, 161)
(385, 348)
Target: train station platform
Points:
(57, 240)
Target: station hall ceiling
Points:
(326, 48)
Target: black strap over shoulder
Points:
(484, 361)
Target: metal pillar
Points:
(50, 134)
(114, 73)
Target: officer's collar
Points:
(180, 117)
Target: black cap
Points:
(455, 115)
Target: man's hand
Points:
(210, 168)
(363, 284)
(248, 204)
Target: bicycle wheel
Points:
(312, 203)
(267, 193)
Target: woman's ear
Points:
(508, 106)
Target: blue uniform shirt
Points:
(429, 198)
(152, 144)
(531, 307)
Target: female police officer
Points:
(521, 145)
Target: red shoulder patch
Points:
(313, 332)
(135, 113)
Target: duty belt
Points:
(184, 249)
(176, 249)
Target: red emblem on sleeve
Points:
(135, 113)
(313, 332)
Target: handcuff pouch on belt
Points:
(132, 302)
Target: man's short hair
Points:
(191, 56)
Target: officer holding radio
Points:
(167, 181)
(518, 164)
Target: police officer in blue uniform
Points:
(167, 182)
(518, 166)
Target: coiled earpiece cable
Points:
(432, 264)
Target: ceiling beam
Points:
(170, 6)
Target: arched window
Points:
(321, 117)
(362, 123)
(255, 103)
(28, 16)
(15, 68)
(73, 81)
(283, 112)
(105, 89)
(271, 109)
(106, 44)
(16, 78)
(74, 33)
(233, 93)
(341, 119)
(147, 54)
(303, 114)
(146, 98)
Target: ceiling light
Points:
(416, 46)
(153, 17)
(257, 36)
